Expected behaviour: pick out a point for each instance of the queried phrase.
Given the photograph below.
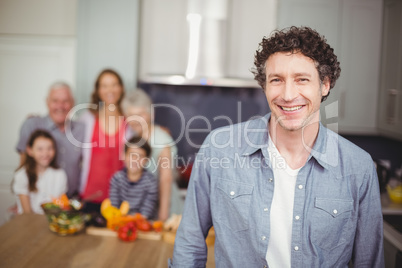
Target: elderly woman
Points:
(137, 107)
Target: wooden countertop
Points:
(26, 241)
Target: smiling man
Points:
(59, 103)
(287, 191)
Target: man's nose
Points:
(290, 91)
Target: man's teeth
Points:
(289, 109)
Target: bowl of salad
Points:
(64, 216)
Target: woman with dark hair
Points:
(39, 179)
(105, 134)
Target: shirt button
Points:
(300, 186)
(297, 218)
(263, 237)
(265, 209)
(232, 193)
(265, 266)
(296, 248)
(335, 211)
(270, 179)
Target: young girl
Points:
(39, 179)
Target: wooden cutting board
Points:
(102, 231)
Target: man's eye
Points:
(275, 80)
(303, 80)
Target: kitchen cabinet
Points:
(353, 29)
(392, 213)
(390, 102)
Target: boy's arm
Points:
(147, 208)
(114, 192)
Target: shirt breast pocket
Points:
(331, 220)
(234, 199)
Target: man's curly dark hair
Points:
(298, 39)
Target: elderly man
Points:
(59, 102)
(282, 190)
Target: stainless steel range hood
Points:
(199, 81)
(207, 24)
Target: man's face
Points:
(293, 90)
(59, 103)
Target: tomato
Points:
(115, 223)
(128, 232)
(143, 225)
(157, 226)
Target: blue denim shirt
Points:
(337, 210)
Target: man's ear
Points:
(325, 87)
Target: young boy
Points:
(134, 183)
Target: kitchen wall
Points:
(107, 37)
(37, 47)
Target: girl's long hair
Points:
(30, 163)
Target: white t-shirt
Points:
(279, 245)
(50, 184)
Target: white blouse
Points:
(52, 183)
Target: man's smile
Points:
(291, 108)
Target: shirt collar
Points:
(52, 126)
(325, 149)
(256, 136)
(49, 123)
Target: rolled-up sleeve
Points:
(190, 249)
(368, 247)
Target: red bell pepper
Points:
(128, 232)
